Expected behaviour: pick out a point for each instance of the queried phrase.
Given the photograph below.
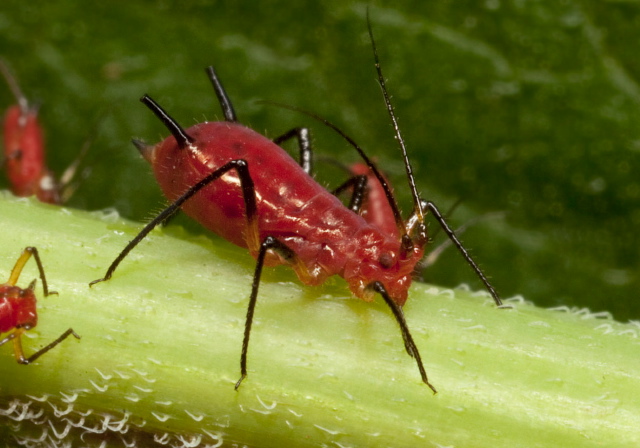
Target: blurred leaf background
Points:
(530, 108)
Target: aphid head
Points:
(380, 259)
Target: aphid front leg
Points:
(17, 270)
(17, 344)
(409, 344)
(430, 206)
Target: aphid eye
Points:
(386, 260)
(16, 155)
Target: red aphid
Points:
(291, 207)
(24, 150)
(18, 309)
(247, 189)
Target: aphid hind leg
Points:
(269, 243)
(304, 143)
(430, 206)
(19, 266)
(17, 344)
(248, 193)
(409, 344)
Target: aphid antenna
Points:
(374, 169)
(172, 125)
(417, 218)
(13, 85)
(418, 209)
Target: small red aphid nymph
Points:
(24, 152)
(18, 309)
(247, 189)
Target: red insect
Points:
(18, 309)
(24, 152)
(247, 189)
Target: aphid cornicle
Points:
(24, 152)
(18, 309)
(247, 189)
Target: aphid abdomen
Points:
(291, 206)
(23, 150)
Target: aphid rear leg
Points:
(269, 243)
(409, 344)
(248, 192)
(304, 143)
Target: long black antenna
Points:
(387, 101)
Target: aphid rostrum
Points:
(18, 309)
(247, 189)
(25, 155)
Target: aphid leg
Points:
(12, 336)
(430, 206)
(17, 270)
(406, 335)
(304, 143)
(359, 185)
(223, 98)
(269, 243)
(17, 344)
(435, 253)
(246, 182)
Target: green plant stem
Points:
(161, 343)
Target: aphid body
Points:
(18, 308)
(24, 153)
(247, 189)
(327, 238)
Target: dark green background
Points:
(531, 108)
